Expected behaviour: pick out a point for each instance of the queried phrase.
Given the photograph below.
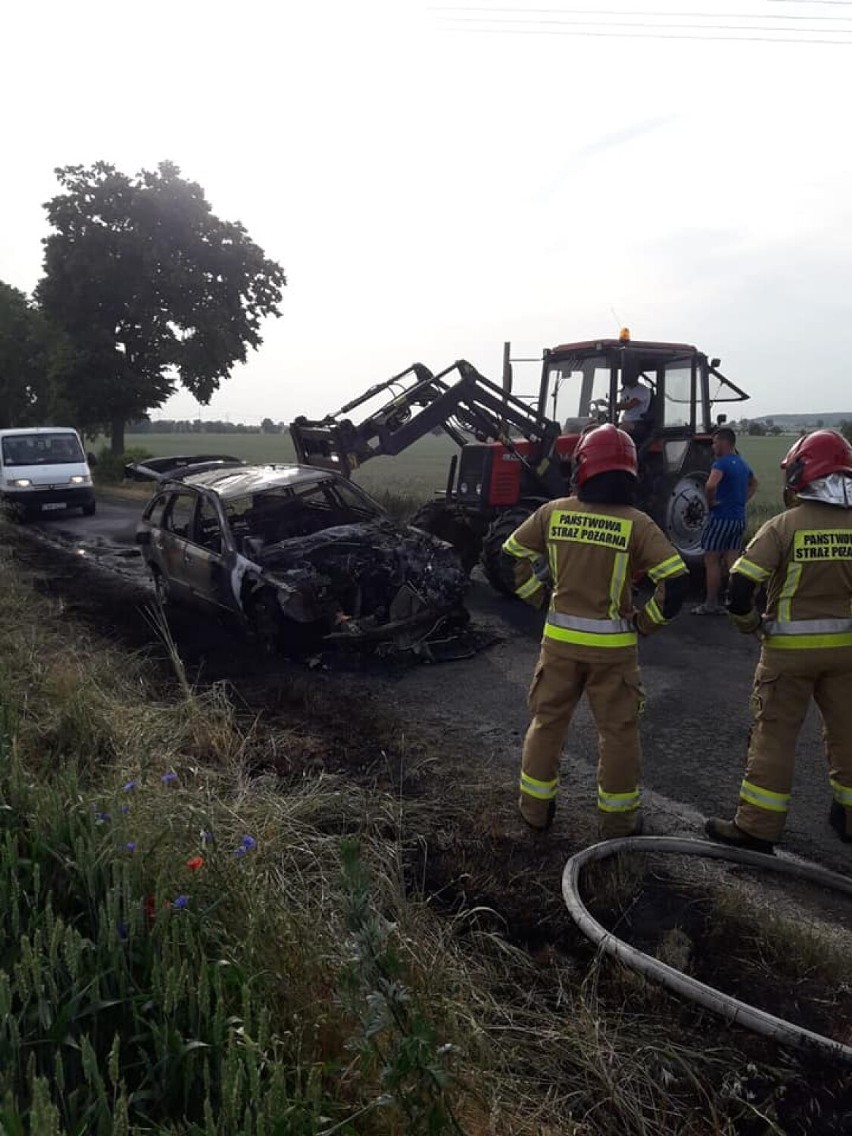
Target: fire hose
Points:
(730, 1008)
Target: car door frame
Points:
(208, 571)
(171, 547)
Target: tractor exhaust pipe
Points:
(507, 368)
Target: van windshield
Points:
(42, 449)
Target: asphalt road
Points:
(697, 676)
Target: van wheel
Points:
(89, 510)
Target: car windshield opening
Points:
(283, 514)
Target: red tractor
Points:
(514, 456)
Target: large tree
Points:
(152, 289)
(30, 351)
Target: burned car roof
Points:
(224, 475)
(239, 481)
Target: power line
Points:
(512, 20)
(517, 21)
(463, 29)
(649, 15)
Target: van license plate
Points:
(54, 505)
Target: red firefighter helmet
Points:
(604, 449)
(814, 456)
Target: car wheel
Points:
(89, 510)
(161, 588)
(265, 623)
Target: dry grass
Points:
(494, 1037)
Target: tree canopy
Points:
(152, 289)
(29, 350)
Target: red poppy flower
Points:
(195, 863)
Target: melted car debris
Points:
(362, 586)
(303, 558)
(362, 577)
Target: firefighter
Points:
(804, 556)
(592, 546)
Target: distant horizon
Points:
(255, 420)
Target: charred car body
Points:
(298, 555)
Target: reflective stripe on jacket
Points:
(592, 554)
(804, 556)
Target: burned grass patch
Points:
(723, 929)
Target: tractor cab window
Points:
(679, 393)
(578, 392)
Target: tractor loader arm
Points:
(420, 403)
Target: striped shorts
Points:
(722, 535)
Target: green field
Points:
(422, 469)
(415, 474)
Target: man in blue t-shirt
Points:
(730, 484)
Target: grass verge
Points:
(194, 943)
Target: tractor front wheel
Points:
(448, 522)
(499, 568)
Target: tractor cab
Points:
(675, 389)
(677, 385)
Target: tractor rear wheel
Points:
(498, 567)
(448, 522)
(683, 512)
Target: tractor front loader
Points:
(513, 453)
(471, 410)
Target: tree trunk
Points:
(117, 436)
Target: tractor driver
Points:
(634, 402)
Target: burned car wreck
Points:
(300, 557)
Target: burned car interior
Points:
(300, 556)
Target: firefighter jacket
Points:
(593, 553)
(804, 556)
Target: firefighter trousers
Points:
(784, 683)
(609, 677)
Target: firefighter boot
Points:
(726, 832)
(537, 814)
(611, 826)
(840, 820)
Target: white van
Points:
(44, 469)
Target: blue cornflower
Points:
(249, 842)
(100, 817)
(130, 846)
(130, 786)
(206, 837)
(167, 778)
(181, 902)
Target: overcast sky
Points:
(436, 179)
